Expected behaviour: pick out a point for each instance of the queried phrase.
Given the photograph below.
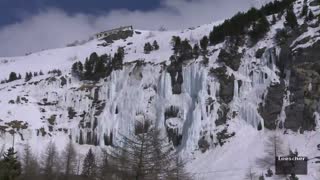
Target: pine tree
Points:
(40, 73)
(117, 60)
(176, 43)
(10, 167)
(147, 48)
(274, 19)
(155, 45)
(259, 29)
(12, 76)
(186, 52)
(89, 168)
(269, 173)
(50, 164)
(30, 165)
(35, 74)
(204, 43)
(304, 11)
(88, 67)
(77, 69)
(196, 51)
(106, 169)
(19, 76)
(69, 160)
(310, 16)
(28, 76)
(291, 19)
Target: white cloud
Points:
(55, 28)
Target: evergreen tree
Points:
(269, 173)
(176, 43)
(259, 29)
(77, 69)
(89, 168)
(12, 76)
(69, 160)
(118, 57)
(50, 162)
(30, 165)
(185, 51)
(304, 11)
(274, 19)
(88, 67)
(291, 19)
(147, 48)
(310, 16)
(40, 73)
(35, 74)
(155, 45)
(196, 51)
(28, 76)
(204, 43)
(10, 167)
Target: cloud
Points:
(54, 28)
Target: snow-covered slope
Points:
(222, 133)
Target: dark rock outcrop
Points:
(273, 105)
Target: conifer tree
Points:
(176, 43)
(118, 57)
(12, 77)
(304, 11)
(310, 16)
(50, 162)
(40, 73)
(204, 43)
(28, 76)
(155, 45)
(196, 51)
(89, 168)
(88, 67)
(291, 19)
(30, 165)
(259, 29)
(10, 167)
(147, 48)
(69, 160)
(185, 51)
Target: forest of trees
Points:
(148, 47)
(142, 155)
(97, 67)
(238, 25)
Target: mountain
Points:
(219, 110)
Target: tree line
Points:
(15, 76)
(96, 67)
(142, 155)
(256, 19)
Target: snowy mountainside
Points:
(219, 121)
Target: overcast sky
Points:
(33, 25)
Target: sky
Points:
(34, 25)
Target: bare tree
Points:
(274, 147)
(69, 160)
(50, 163)
(30, 166)
(145, 155)
(250, 175)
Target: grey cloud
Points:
(54, 28)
